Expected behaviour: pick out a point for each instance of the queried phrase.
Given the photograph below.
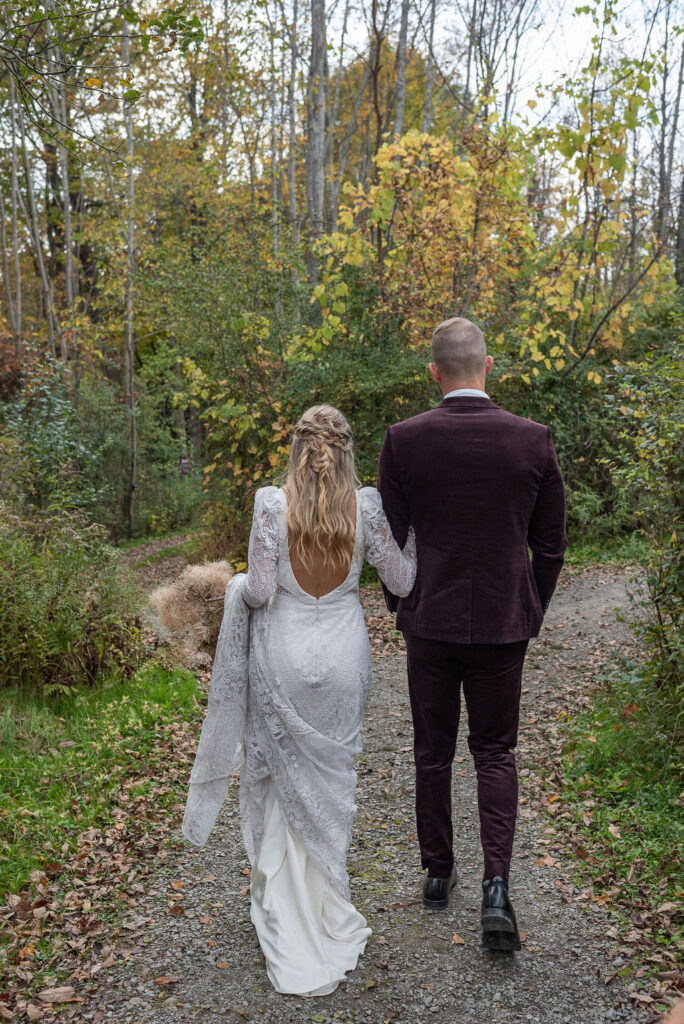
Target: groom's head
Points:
(459, 355)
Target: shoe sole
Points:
(501, 942)
(496, 920)
(499, 931)
(439, 904)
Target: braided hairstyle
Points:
(319, 483)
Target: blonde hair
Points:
(319, 483)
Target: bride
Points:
(288, 691)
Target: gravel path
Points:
(202, 961)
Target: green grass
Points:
(629, 550)
(64, 764)
(623, 771)
(191, 532)
(164, 553)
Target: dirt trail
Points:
(412, 971)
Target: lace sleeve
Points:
(396, 568)
(262, 558)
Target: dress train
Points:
(309, 934)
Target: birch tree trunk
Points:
(315, 163)
(330, 135)
(663, 198)
(56, 88)
(679, 252)
(401, 70)
(129, 338)
(274, 147)
(292, 126)
(31, 215)
(14, 206)
(430, 71)
(6, 272)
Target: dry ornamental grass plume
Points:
(191, 609)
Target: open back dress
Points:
(309, 676)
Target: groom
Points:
(480, 487)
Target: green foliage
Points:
(64, 761)
(584, 417)
(625, 792)
(648, 463)
(66, 614)
(63, 450)
(628, 549)
(47, 459)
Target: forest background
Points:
(214, 215)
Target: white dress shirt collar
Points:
(458, 392)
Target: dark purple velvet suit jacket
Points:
(480, 486)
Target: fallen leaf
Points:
(163, 979)
(33, 1012)
(666, 908)
(614, 831)
(222, 964)
(546, 861)
(64, 994)
(176, 910)
(457, 940)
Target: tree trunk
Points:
(31, 215)
(430, 71)
(679, 255)
(401, 71)
(18, 343)
(6, 273)
(274, 149)
(663, 198)
(315, 163)
(59, 108)
(344, 148)
(129, 338)
(292, 124)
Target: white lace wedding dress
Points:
(287, 697)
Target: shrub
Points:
(649, 466)
(66, 614)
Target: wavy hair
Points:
(319, 483)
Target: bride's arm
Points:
(396, 567)
(262, 557)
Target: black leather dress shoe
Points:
(499, 927)
(436, 891)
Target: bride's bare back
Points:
(318, 579)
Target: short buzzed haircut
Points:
(459, 350)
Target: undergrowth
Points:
(624, 782)
(64, 763)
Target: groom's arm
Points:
(394, 503)
(546, 535)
